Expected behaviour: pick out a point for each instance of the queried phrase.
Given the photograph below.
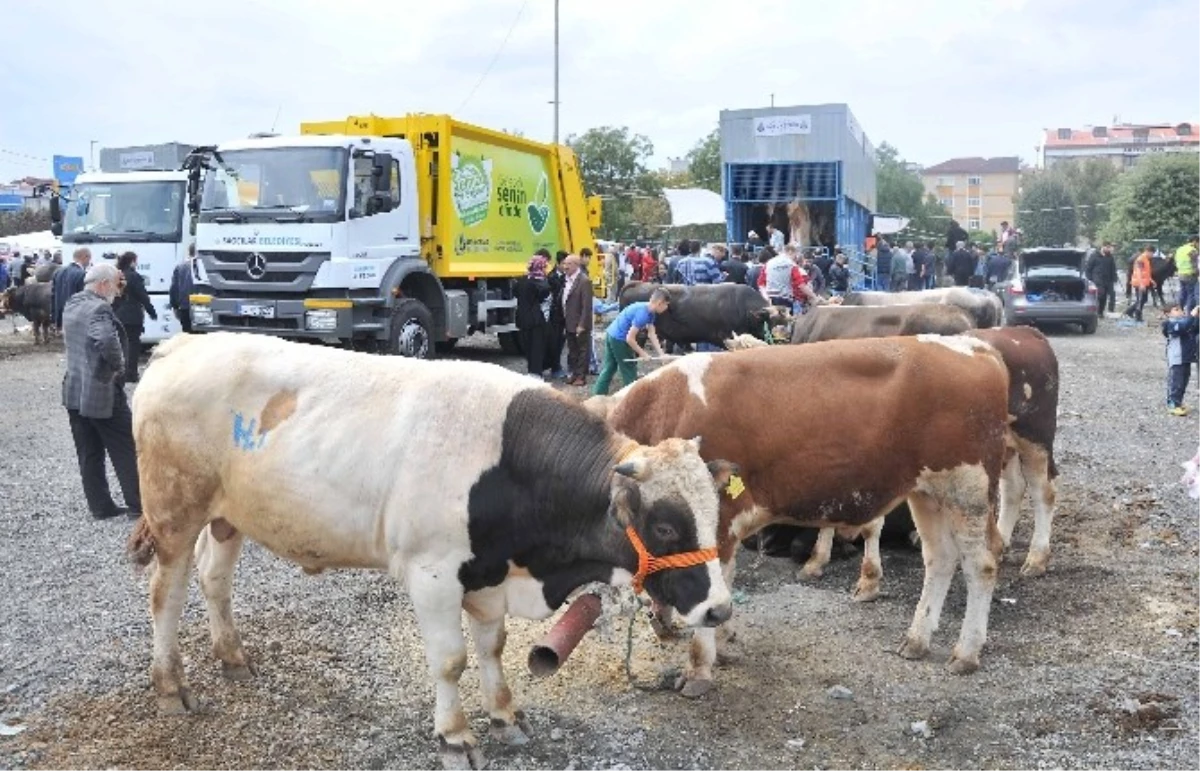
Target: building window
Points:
(976, 181)
(947, 202)
(1064, 133)
(945, 181)
(973, 202)
(973, 224)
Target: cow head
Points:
(666, 498)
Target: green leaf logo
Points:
(539, 209)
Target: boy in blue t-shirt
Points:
(620, 340)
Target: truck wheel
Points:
(446, 346)
(410, 333)
(1089, 326)
(510, 343)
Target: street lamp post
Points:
(555, 71)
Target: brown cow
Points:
(1033, 404)
(834, 322)
(946, 460)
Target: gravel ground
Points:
(1092, 665)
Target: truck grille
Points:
(259, 272)
(252, 322)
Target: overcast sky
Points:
(936, 78)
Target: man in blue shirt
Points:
(621, 344)
(698, 268)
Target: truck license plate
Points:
(257, 310)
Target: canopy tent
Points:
(695, 206)
(28, 242)
(886, 225)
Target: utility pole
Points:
(772, 100)
(555, 71)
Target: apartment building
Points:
(1122, 143)
(978, 192)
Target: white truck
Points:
(137, 203)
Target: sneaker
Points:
(1179, 411)
(131, 513)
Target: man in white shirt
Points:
(776, 237)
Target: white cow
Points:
(475, 486)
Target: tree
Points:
(25, 221)
(704, 162)
(1091, 182)
(1157, 199)
(899, 192)
(612, 162)
(1046, 211)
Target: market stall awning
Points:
(695, 206)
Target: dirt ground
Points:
(1093, 665)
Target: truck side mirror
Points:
(56, 225)
(381, 170)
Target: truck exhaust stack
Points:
(552, 651)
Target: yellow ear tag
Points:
(735, 487)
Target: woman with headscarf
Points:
(533, 313)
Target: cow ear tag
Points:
(735, 487)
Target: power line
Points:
(492, 63)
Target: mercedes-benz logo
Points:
(256, 266)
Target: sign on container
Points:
(782, 125)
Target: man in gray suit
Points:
(94, 396)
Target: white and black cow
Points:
(706, 313)
(478, 488)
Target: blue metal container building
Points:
(816, 155)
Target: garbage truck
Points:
(136, 202)
(395, 235)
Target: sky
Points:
(935, 78)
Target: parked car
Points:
(1048, 286)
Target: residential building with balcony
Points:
(1121, 144)
(978, 192)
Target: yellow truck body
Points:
(488, 200)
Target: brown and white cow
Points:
(799, 467)
(1033, 404)
(479, 489)
(839, 322)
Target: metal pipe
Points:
(552, 651)
(555, 71)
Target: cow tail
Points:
(142, 545)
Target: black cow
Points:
(33, 301)
(1161, 269)
(707, 313)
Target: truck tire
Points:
(510, 343)
(446, 346)
(411, 330)
(1089, 327)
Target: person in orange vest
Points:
(1141, 280)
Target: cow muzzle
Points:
(713, 610)
(648, 564)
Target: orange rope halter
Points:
(648, 563)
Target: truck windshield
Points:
(124, 211)
(277, 181)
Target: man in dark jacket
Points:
(883, 266)
(735, 268)
(577, 315)
(954, 234)
(961, 264)
(181, 290)
(1101, 270)
(131, 309)
(93, 395)
(839, 275)
(558, 325)
(69, 281)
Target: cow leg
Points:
(697, 677)
(486, 611)
(980, 547)
(1036, 464)
(217, 551)
(940, 555)
(867, 588)
(437, 599)
(1012, 490)
(820, 556)
(168, 594)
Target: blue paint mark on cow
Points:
(244, 435)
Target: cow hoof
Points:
(460, 757)
(515, 734)
(693, 689)
(178, 704)
(865, 593)
(811, 573)
(1033, 567)
(913, 650)
(961, 665)
(239, 673)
